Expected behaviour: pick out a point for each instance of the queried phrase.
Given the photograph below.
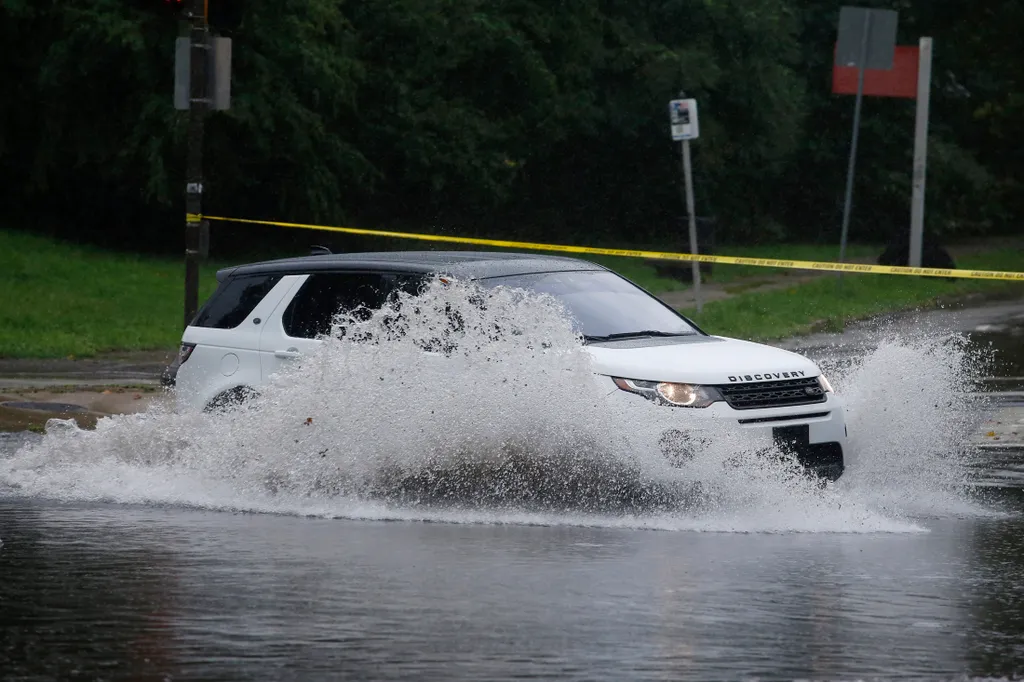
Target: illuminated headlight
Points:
(679, 395)
(825, 385)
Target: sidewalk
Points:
(86, 389)
(776, 279)
(129, 368)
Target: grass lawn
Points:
(64, 300)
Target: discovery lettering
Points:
(767, 376)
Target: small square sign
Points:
(881, 38)
(683, 119)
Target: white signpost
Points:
(685, 127)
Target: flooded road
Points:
(161, 548)
(129, 593)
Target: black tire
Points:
(232, 398)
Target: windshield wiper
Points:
(636, 334)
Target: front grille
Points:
(772, 393)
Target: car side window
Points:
(323, 295)
(234, 300)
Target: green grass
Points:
(64, 300)
(823, 305)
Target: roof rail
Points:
(317, 250)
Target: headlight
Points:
(825, 385)
(679, 395)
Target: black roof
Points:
(470, 264)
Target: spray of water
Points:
(463, 405)
(913, 405)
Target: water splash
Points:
(470, 406)
(913, 404)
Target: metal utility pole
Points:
(853, 142)
(924, 79)
(199, 102)
(867, 40)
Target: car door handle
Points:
(286, 354)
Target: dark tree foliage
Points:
(518, 118)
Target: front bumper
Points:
(825, 459)
(815, 434)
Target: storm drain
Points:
(44, 407)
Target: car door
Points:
(224, 337)
(294, 329)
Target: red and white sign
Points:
(900, 81)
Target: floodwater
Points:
(137, 593)
(252, 546)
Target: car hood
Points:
(698, 360)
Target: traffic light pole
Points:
(199, 103)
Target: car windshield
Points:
(603, 305)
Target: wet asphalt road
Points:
(97, 591)
(134, 593)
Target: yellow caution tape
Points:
(659, 255)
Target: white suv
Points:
(263, 315)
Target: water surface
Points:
(122, 592)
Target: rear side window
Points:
(323, 295)
(234, 300)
